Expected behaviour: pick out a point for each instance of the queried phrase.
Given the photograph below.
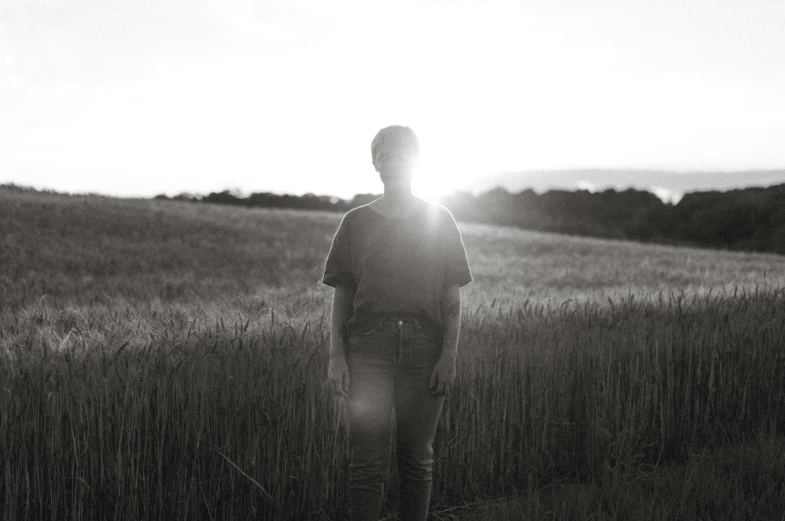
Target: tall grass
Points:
(230, 420)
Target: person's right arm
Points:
(338, 370)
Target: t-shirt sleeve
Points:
(338, 268)
(456, 266)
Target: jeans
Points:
(390, 366)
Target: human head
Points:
(395, 151)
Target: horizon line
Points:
(475, 193)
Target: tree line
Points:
(748, 219)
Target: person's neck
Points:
(398, 197)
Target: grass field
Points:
(165, 360)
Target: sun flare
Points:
(432, 182)
(430, 189)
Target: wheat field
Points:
(165, 360)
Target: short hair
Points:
(395, 136)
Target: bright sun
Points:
(431, 182)
(429, 189)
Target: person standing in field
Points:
(397, 265)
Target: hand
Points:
(443, 375)
(338, 376)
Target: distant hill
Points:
(115, 254)
(668, 186)
(747, 219)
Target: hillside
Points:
(100, 249)
(743, 219)
(670, 186)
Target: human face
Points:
(395, 165)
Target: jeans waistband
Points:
(358, 324)
(395, 319)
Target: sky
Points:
(142, 97)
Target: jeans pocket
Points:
(428, 334)
(368, 330)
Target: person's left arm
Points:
(443, 375)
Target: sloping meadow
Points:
(163, 360)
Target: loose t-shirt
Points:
(397, 266)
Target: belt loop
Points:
(400, 341)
